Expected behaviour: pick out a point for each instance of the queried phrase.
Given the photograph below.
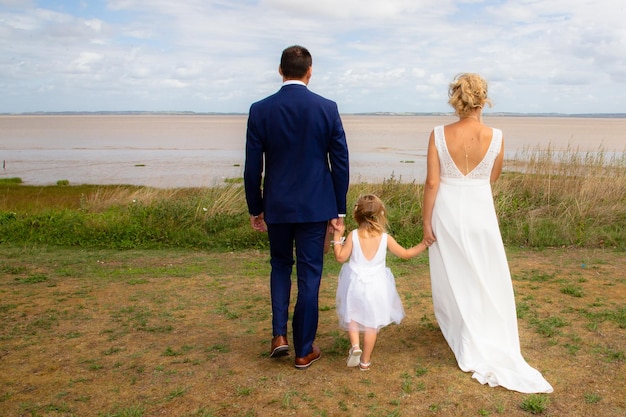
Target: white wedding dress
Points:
(471, 282)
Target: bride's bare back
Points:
(467, 141)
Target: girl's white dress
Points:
(366, 292)
(471, 282)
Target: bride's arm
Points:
(431, 186)
(497, 165)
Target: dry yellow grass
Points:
(183, 333)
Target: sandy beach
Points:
(202, 150)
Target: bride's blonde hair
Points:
(467, 93)
(369, 212)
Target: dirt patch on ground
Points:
(104, 333)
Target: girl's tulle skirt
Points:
(372, 302)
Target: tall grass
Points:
(546, 198)
(563, 198)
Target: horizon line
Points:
(378, 113)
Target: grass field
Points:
(124, 301)
(103, 332)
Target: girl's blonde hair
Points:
(467, 93)
(369, 212)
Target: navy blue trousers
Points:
(308, 239)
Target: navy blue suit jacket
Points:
(296, 167)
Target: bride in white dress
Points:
(471, 282)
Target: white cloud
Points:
(346, 9)
(95, 24)
(369, 55)
(86, 62)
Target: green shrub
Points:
(13, 180)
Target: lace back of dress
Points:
(482, 170)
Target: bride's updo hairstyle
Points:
(370, 212)
(467, 93)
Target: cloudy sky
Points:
(564, 56)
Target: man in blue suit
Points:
(296, 178)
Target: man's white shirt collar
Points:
(291, 82)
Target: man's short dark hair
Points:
(295, 62)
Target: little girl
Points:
(367, 299)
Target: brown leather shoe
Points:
(305, 362)
(280, 347)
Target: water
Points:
(202, 150)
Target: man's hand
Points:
(258, 223)
(337, 223)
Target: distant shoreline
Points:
(410, 114)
